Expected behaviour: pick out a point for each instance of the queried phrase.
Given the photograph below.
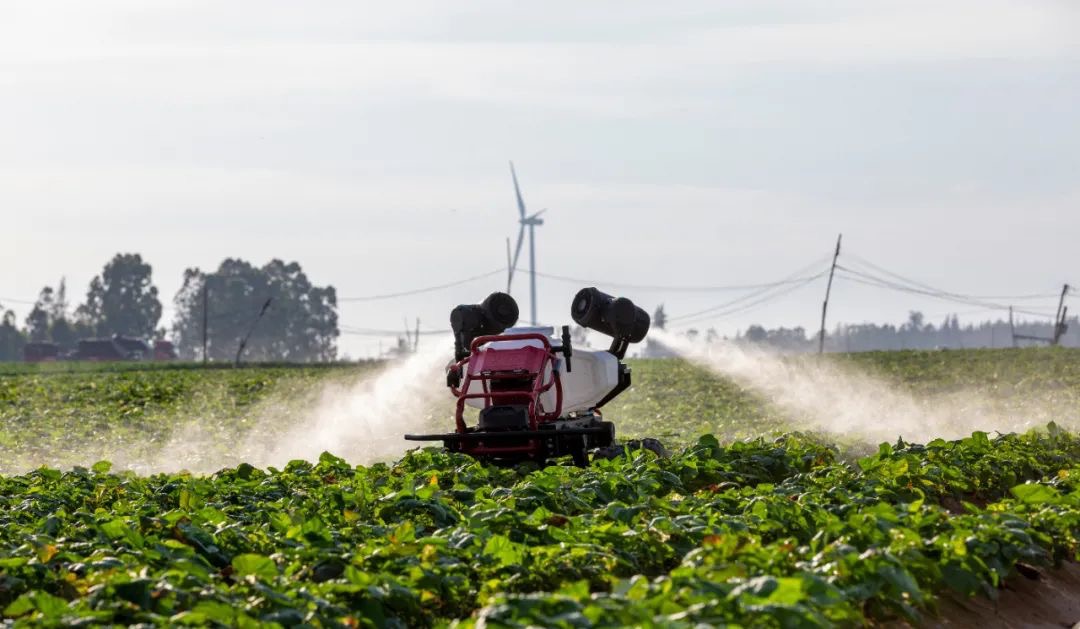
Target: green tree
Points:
(122, 300)
(12, 339)
(659, 318)
(65, 330)
(49, 320)
(40, 317)
(300, 325)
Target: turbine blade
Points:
(517, 191)
(517, 251)
(509, 267)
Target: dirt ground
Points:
(1036, 598)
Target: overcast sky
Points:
(672, 143)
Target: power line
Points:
(962, 313)
(344, 329)
(428, 289)
(668, 288)
(871, 280)
(752, 304)
(925, 286)
(17, 301)
(791, 280)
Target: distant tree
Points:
(915, 321)
(40, 317)
(11, 339)
(756, 334)
(711, 336)
(66, 333)
(659, 318)
(122, 300)
(785, 339)
(692, 334)
(301, 325)
(871, 336)
(62, 329)
(48, 320)
(59, 302)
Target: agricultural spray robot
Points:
(537, 396)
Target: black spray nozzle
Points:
(469, 321)
(616, 317)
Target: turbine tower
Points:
(530, 221)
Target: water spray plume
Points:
(818, 393)
(364, 423)
(360, 421)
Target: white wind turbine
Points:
(530, 221)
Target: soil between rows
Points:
(1043, 599)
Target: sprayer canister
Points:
(498, 312)
(615, 317)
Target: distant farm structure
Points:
(115, 348)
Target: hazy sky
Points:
(672, 143)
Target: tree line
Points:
(299, 321)
(915, 333)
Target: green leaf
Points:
(960, 579)
(789, 591)
(220, 612)
(759, 587)
(13, 562)
(259, 566)
(46, 604)
(900, 579)
(505, 551)
(1035, 493)
(118, 529)
(101, 467)
(20, 606)
(245, 471)
(136, 591)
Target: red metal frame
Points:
(508, 364)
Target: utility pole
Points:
(243, 342)
(1059, 318)
(1059, 323)
(1012, 328)
(205, 319)
(828, 289)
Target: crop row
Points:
(769, 532)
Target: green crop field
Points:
(753, 520)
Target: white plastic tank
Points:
(594, 373)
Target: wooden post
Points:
(1012, 327)
(828, 289)
(205, 318)
(243, 342)
(1059, 318)
(1061, 327)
